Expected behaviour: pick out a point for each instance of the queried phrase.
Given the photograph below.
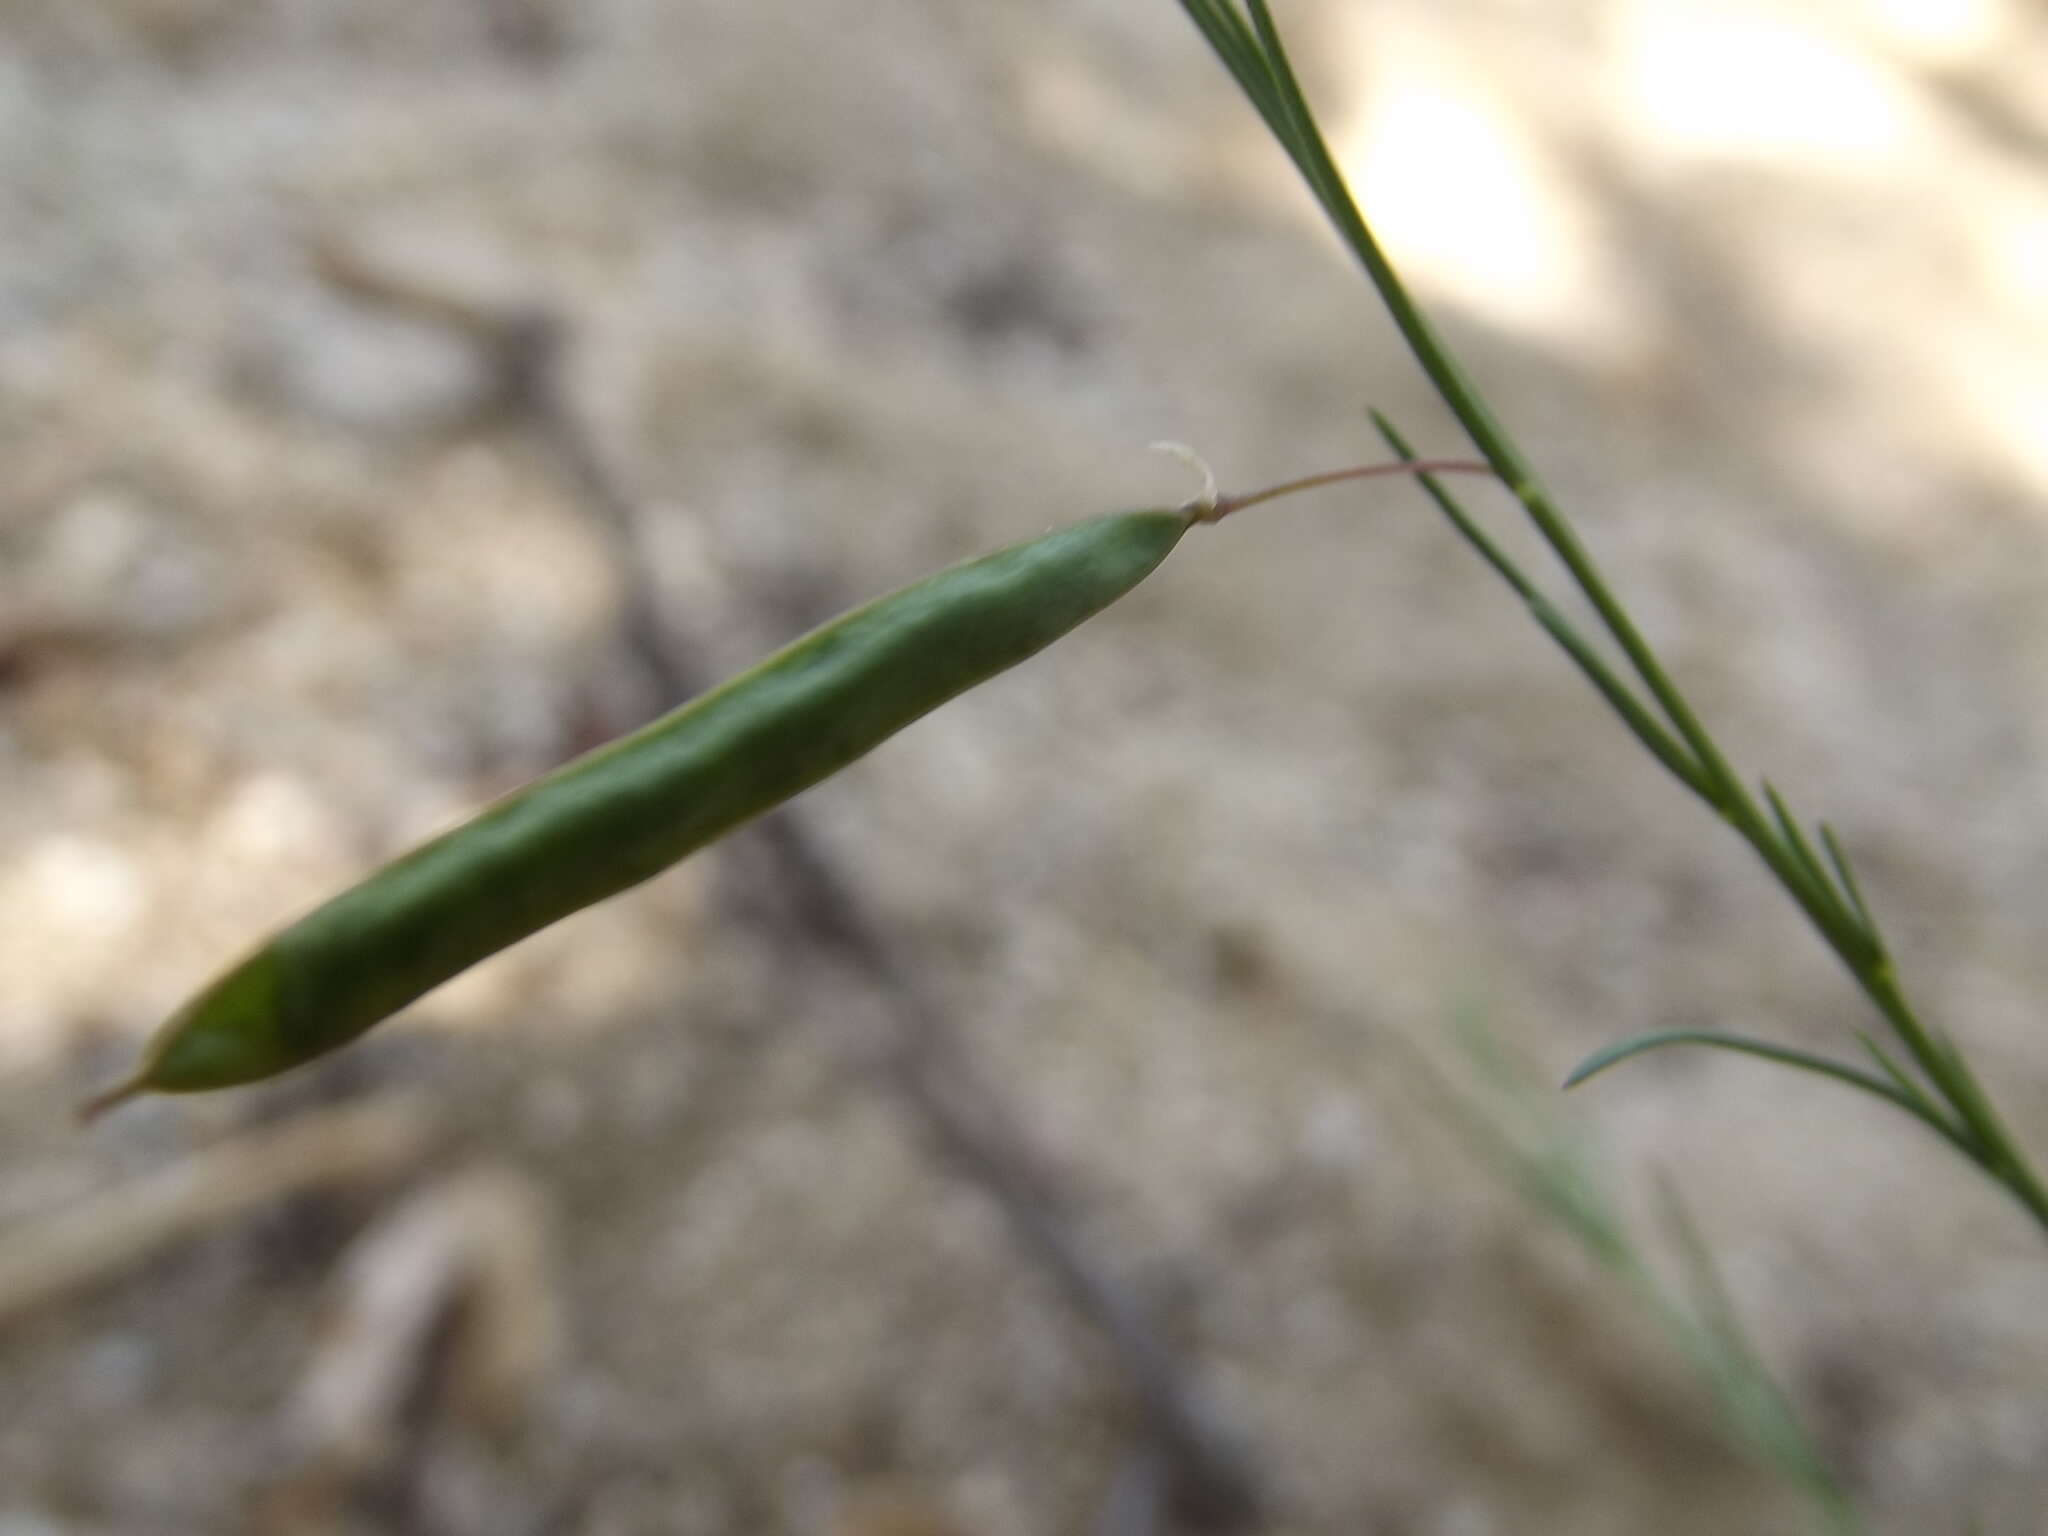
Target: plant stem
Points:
(1250, 47)
(1222, 506)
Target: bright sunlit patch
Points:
(2007, 402)
(1938, 32)
(2015, 259)
(88, 890)
(1749, 82)
(2004, 375)
(275, 819)
(73, 902)
(1467, 203)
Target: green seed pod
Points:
(629, 810)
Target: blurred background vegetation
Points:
(627, 1231)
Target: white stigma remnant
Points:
(1205, 507)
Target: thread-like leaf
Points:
(1620, 698)
(1845, 872)
(1845, 917)
(1739, 1373)
(1784, 1055)
(1796, 843)
(1220, 24)
(1890, 1066)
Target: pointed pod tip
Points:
(93, 1108)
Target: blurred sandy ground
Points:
(860, 288)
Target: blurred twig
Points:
(100, 1237)
(444, 1307)
(1209, 1481)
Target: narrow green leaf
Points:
(1710, 1298)
(1784, 1055)
(1554, 1169)
(1796, 843)
(1845, 873)
(1304, 140)
(1729, 1357)
(1232, 42)
(1646, 728)
(1838, 917)
(1958, 1082)
(1224, 26)
(1467, 403)
(1538, 1159)
(1891, 1068)
(1477, 537)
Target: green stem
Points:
(1221, 507)
(1255, 55)
(1465, 402)
(1996, 1151)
